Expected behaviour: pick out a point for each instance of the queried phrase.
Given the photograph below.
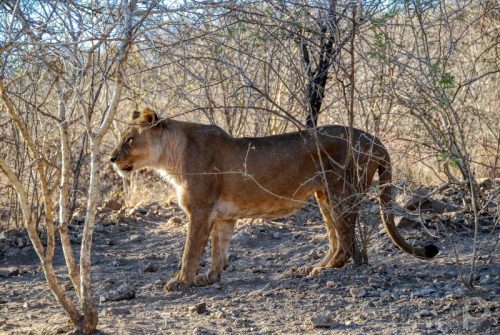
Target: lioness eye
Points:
(128, 140)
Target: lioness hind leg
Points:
(344, 240)
(324, 206)
(346, 237)
(222, 232)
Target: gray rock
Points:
(200, 308)
(322, 321)
(135, 238)
(174, 220)
(119, 311)
(141, 210)
(10, 271)
(425, 313)
(357, 292)
(385, 294)
(476, 324)
(484, 279)
(241, 237)
(420, 326)
(425, 292)
(150, 267)
(123, 292)
(442, 327)
(119, 262)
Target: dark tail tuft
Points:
(431, 250)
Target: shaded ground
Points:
(259, 293)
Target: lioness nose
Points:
(112, 159)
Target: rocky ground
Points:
(136, 250)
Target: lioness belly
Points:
(227, 210)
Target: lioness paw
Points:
(316, 270)
(202, 280)
(206, 279)
(303, 271)
(176, 285)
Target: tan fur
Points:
(220, 179)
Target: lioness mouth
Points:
(128, 168)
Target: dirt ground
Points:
(137, 250)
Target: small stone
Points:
(123, 292)
(198, 331)
(119, 262)
(357, 292)
(136, 238)
(330, 284)
(119, 311)
(420, 326)
(198, 308)
(385, 294)
(140, 210)
(424, 313)
(476, 324)
(484, 279)
(110, 242)
(113, 205)
(443, 328)
(2, 322)
(150, 267)
(375, 282)
(276, 235)
(323, 322)
(26, 305)
(241, 236)
(10, 271)
(174, 220)
(423, 292)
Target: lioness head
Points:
(138, 146)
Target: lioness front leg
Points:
(197, 237)
(222, 232)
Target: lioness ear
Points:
(135, 115)
(148, 116)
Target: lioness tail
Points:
(385, 178)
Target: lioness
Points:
(220, 179)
